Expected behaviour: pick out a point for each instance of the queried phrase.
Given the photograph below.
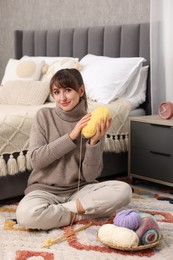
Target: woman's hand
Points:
(78, 128)
(101, 130)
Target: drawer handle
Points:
(164, 154)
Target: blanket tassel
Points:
(21, 161)
(3, 166)
(127, 141)
(12, 165)
(117, 145)
(123, 144)
(108, 146)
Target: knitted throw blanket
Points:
(16, 122)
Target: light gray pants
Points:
(43, 210)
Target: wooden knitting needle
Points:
(48, 243)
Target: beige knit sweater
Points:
(55, 157)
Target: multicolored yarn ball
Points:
(149, 237)
(127, 218)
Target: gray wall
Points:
(46, 14)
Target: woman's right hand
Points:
(78, 128)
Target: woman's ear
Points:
(81, 91)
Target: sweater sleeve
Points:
(93, 161)
(43, 152)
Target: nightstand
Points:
(150, 154)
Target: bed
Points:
(83, 46)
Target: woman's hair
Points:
(68, 78)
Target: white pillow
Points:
(22, 70)
(19, 92)
(107, 79)
(140, 94)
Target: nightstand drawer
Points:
(154, 137)
(152, 165)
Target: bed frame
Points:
(130, 40)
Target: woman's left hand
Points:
(101, 129)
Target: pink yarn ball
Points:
(127, 218)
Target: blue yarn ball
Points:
(127, 218)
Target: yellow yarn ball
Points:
(99, 113)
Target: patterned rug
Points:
(20, 244)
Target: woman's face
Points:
(67, 98)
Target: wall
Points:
(46, 14)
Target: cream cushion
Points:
(47, 59)
(20, 92)
(118, 236)
(66, 63)
(22, 70)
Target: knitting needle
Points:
(50, 242)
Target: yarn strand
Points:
(80, 163)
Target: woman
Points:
(62, 187)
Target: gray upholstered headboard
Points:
(130, 40)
